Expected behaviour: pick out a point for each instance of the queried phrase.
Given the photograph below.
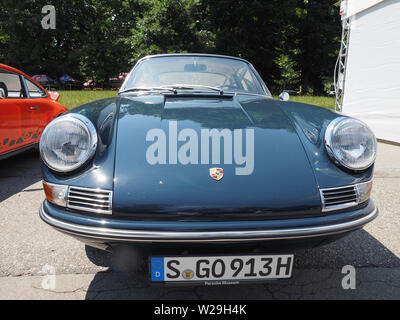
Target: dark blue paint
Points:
(141, 187)
(290, 157)
(307, 119)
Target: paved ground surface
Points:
(28, 247)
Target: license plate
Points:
(225, 268)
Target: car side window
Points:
(247, 82)
(11, 85)
(34, 90)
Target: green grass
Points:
(326, 102)
(72, 99)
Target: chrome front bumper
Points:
(104, 234)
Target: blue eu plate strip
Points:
(157, 269)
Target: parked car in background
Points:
(196, 162)
(25, 110)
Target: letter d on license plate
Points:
(257, 267)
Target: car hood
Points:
(281, 178)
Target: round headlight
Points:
(351, 143)
(68, 142)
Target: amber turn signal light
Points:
(56, 194)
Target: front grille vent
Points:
(339, 198)
(90, 200)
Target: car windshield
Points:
(200, 73)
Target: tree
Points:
(35, 50)
(107, 24)
(290, 73)
(252, 29)
(318, 36)
(292, 43)
(4, 36)
(168, 26)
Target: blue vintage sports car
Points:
(195, 155)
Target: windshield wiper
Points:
(149, 89)
(193, 87)
(174, 88)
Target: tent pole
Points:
(340, 68)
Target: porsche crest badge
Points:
(217, 173)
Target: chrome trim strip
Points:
(90, 189)
(215, 236)
(104, 200)
(335, 197)
(92, 210)
(342, 187)
(333, 207)
(95, 195)
(327, 208)
(339, 206)
(97, 200)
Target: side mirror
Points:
(284, 96)
(54, 96)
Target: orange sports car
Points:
(25, 110)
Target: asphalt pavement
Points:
(37, 262)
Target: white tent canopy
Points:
(353, 7)
(372, 78)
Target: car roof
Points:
(192, 55)
(8, 68)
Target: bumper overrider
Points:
(108, 229)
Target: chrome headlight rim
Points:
(329, 134)
(92, 134)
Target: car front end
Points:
(182, 167)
